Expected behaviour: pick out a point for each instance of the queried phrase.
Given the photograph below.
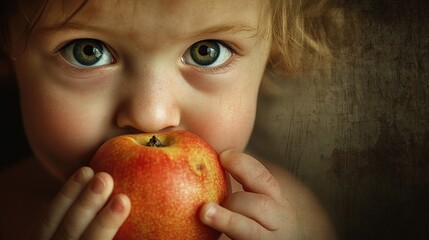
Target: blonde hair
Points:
(301, 31)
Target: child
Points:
(91, 70)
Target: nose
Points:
(149, 104)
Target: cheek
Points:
(225, 123)
(58, 139)
(62, 131)
(232, 132)
(227, 119)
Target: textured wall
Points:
(359, 136)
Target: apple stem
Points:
(154, 142)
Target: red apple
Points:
(168, 177)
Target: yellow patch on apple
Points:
(168, 177)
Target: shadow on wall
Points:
(360, 138)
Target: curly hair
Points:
(301, 31)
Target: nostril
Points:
(157, 123)
(130, 130)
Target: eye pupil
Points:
(88, 50)
(204, 50)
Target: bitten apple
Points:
(168, 177)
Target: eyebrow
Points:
(237, 28)
(67, 26)
(216, 29)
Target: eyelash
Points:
(219, 69)
(234, 51)
(99, 52)
(222, 67)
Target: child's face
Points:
(124, 67)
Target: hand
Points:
(258, 212)
(79, 211)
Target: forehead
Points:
(174, 16)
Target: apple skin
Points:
(167, 185)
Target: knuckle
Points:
(232, 200)
(89, 202)
(103, 224)
(96, 194)
(107, 223)
(268, 179)
(66, 193)
(232, 160)
(265, 204)
(232, 220)
(268, 206)
(255, 233)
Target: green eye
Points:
(207, 53)
(87, 53)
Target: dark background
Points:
(358, 136)
(13, 144)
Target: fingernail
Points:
(97, 185)
(117, 205)
(80, 176)
(228, 153)
(211, 211)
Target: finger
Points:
(234, 225)
(258, 207)
(88, 204)
(109, 220)
(62, 202)
(248, 171)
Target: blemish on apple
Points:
(168, 176)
